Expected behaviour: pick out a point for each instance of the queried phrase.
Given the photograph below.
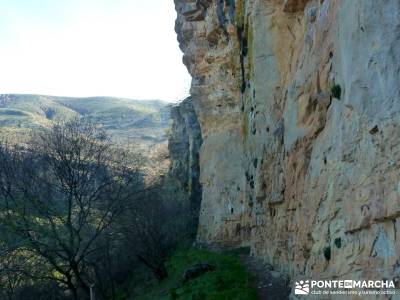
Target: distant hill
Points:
(127, 121)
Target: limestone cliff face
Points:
(184, 144)
(306, 174)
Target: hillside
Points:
(125, 120)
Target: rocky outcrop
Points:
(184, 144)
(298, 104)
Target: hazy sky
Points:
(124, 48)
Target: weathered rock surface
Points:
(285, 167)
(184, 144)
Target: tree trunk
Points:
(161, 272)
(72, 288)
(80, 281)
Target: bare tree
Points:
(60, 194)
(153, 225)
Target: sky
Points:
(80, 48)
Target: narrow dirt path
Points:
(270, 285)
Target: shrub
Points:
(338, 242)
(327, 253)
(336, 91)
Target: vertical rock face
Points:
(299, 107)
(184, 144)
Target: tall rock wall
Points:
(299, 107)
(184, 144)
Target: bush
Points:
(336, 91)
(338, 242)
(327, 253)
